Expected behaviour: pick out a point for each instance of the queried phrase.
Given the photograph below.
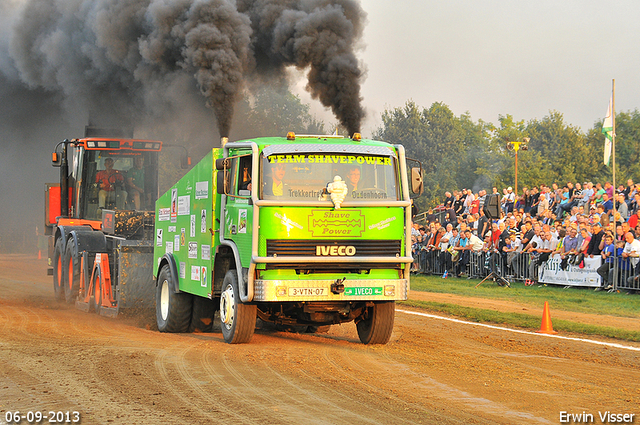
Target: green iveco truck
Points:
(297, 230)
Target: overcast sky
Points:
(493, 58)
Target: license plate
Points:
(363, 291)
(302, 292)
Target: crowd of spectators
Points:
(573, 221)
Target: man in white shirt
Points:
(587, 193)
(621, 205)
(543, 204)
(547, 245)
(537, 238)
(510, 199)
(475, 243)
(444, 241)
(631, 249)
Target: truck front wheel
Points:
(173, 311)
(58, 275)
(376, 323)
(237, 320)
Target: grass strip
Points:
(580, 300)
(521, 320)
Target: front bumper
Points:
(321, 290)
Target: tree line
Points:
(459, 153)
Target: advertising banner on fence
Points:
(573, 275)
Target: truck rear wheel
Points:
(97, 291)
(173, 311)
(72, 275)
(58, 271)
(376, 325)
(238, 320)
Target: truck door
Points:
(239, 213)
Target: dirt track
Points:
(56, 358)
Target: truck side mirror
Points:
(417, 185)
(56, 159)
(222, 163)
(222, 166)
(220, 182)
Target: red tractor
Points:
(103, 210)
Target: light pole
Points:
(516, 146)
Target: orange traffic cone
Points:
(39, 254)
(547, 327)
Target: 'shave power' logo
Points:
(341, 224)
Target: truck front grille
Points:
(326, 248)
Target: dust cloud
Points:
(173, 69)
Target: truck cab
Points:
(304, 231)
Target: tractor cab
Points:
(115, 180)
(116, 174)
(99, 174)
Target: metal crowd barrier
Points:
(622, 275)
(514, 267)
(479, 266)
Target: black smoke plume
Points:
(319, 35)
(123, 60)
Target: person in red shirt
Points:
(107, 180)
(475, 205)
(634, 219)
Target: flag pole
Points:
(613, 146)
(613, 154)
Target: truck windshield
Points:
(303, 176)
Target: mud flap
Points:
(136, 288)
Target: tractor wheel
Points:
(72, 272)
(173, 311)
(58, 271)
(238, 320)
(202, 314)
(96, 300)
(376, 323)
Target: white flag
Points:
(607, 129)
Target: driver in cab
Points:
(276, 185)
(353, 178)
(107, 180)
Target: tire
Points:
(202, 314)
(72, 272)
(237, 320)
(96, 300)
(173, 311)
(58, 271)
(377, 324)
